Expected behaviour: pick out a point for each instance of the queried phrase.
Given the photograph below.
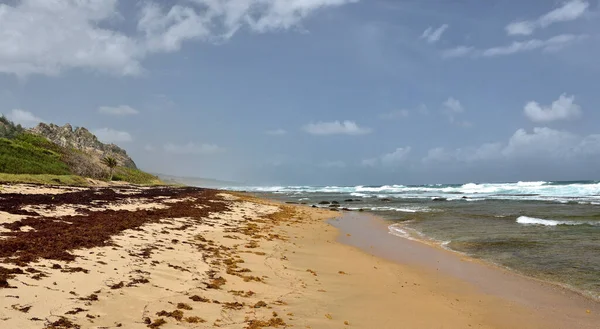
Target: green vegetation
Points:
(111, 163)
(29, 158)
(135, 176)
(71, 180)
(9, 129)
(19, 156)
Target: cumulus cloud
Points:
(192, 148)
(276, 132)
(34, 41)
(541, 144)
(555, 43)
(432, 35)
(335, 128)
(564, 108)
(569, 11)
(24, 118)
(391, 159)
(453, 108)
(120, 110)
(109, 135)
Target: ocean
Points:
(546, 230)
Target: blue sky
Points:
(316, 91)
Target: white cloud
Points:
(397, 114)
(46, 37)
(335, 128)
(552, 44)
(192, 148)
(453, 108)
(398, 156)
(460, 51)
(391, 159)
(542, 144)
(276, 132)
(24, 118)
(433, 36)
(34, 41)
(438, 154)
(108, 135)
(563, 108)
(569, 11)
(120, 110)
(452, 105)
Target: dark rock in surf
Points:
(324, 202)
(334, 202)
(439, 199)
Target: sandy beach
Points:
(169, 257)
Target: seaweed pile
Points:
(48, 237)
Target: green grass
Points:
(28, 154)
(70, 180)
(135, 176)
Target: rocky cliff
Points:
(83, 140)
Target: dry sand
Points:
(252, 264)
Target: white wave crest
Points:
(535, 191)
(549, 222)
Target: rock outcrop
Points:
(83, 140)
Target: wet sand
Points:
(564, 308)
(133, 257)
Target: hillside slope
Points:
(53, 154)
(83, 140)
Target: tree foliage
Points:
(111, 163)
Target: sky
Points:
(317, 92)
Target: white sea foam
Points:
(549, 222)
(538, 221)
(409, 210)
(535, 191)
(396, 230)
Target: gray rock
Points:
(83, 140)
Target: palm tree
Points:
(111, 163)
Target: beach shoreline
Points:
(194, 258)
(370, 234)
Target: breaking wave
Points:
(549, 222)
(582, 191)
